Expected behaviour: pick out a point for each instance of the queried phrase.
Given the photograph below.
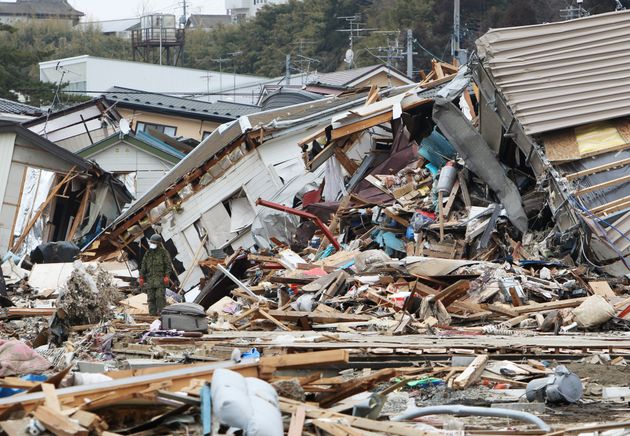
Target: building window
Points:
(167, 130)
(205, 135)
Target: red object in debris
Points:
(319, 272)
(625, 312)
(303, 214)
(429, 215)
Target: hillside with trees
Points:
(308, 28)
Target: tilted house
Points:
(50, 194)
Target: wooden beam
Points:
(603, 185)
(57, 423)
(618, 204)
(539, 307)
(452, 293)
(53, 192)
(348, 164)
(296, 426)
(472, 373)
(318, 317)
(362, 124)
(78, 219)
(598, 169)
(113, 391)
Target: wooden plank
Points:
(361, 125)
(539, 307)
(451, 199)
(57, 423)
(472, 373)
(78, 218)
(51, 195)
(400, 220)
(603, 185)
(598, 169)
(348, 164)
(273, 320)
(602, 288)
(618, 204)
(297, 422)
(268, 365)
(125, 387)
(453, 292)
(387, 427)
(315, 317)
(51, 400)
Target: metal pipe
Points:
(303, 214)
(456, 409)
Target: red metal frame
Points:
(303, 214)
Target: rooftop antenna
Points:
(303, 62)
(391, 53)
(574, 11)
(220, 61)
(355, 31)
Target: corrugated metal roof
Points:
(564, 74)
(221, 110)
(13, 107)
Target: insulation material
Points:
(334, 180)
(242, 214)
(37, 185)
(597, 138)
(88, 296)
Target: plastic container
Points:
(448, 174)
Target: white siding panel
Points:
(7, 141)
(250, 171)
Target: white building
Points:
(243, 9)
(92, 76)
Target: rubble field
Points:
(427, 284)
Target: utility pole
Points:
(392, 52)
(207, 77)
(287, 70)
(455, 43)
(161, 32)
(234, 54)
(409, 53)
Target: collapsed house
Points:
(51, 194)
(553, 97)
(207, 202)
(423, 265)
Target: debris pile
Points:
(421, 280)
(88, 296)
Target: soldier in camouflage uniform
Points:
(154, 274)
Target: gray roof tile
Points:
(221, 109)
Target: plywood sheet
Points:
(562, 146)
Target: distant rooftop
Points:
(205, 21)
(15, 108)
(221, 110)
(346, 78)
(40, 8)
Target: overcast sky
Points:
(96, 10)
